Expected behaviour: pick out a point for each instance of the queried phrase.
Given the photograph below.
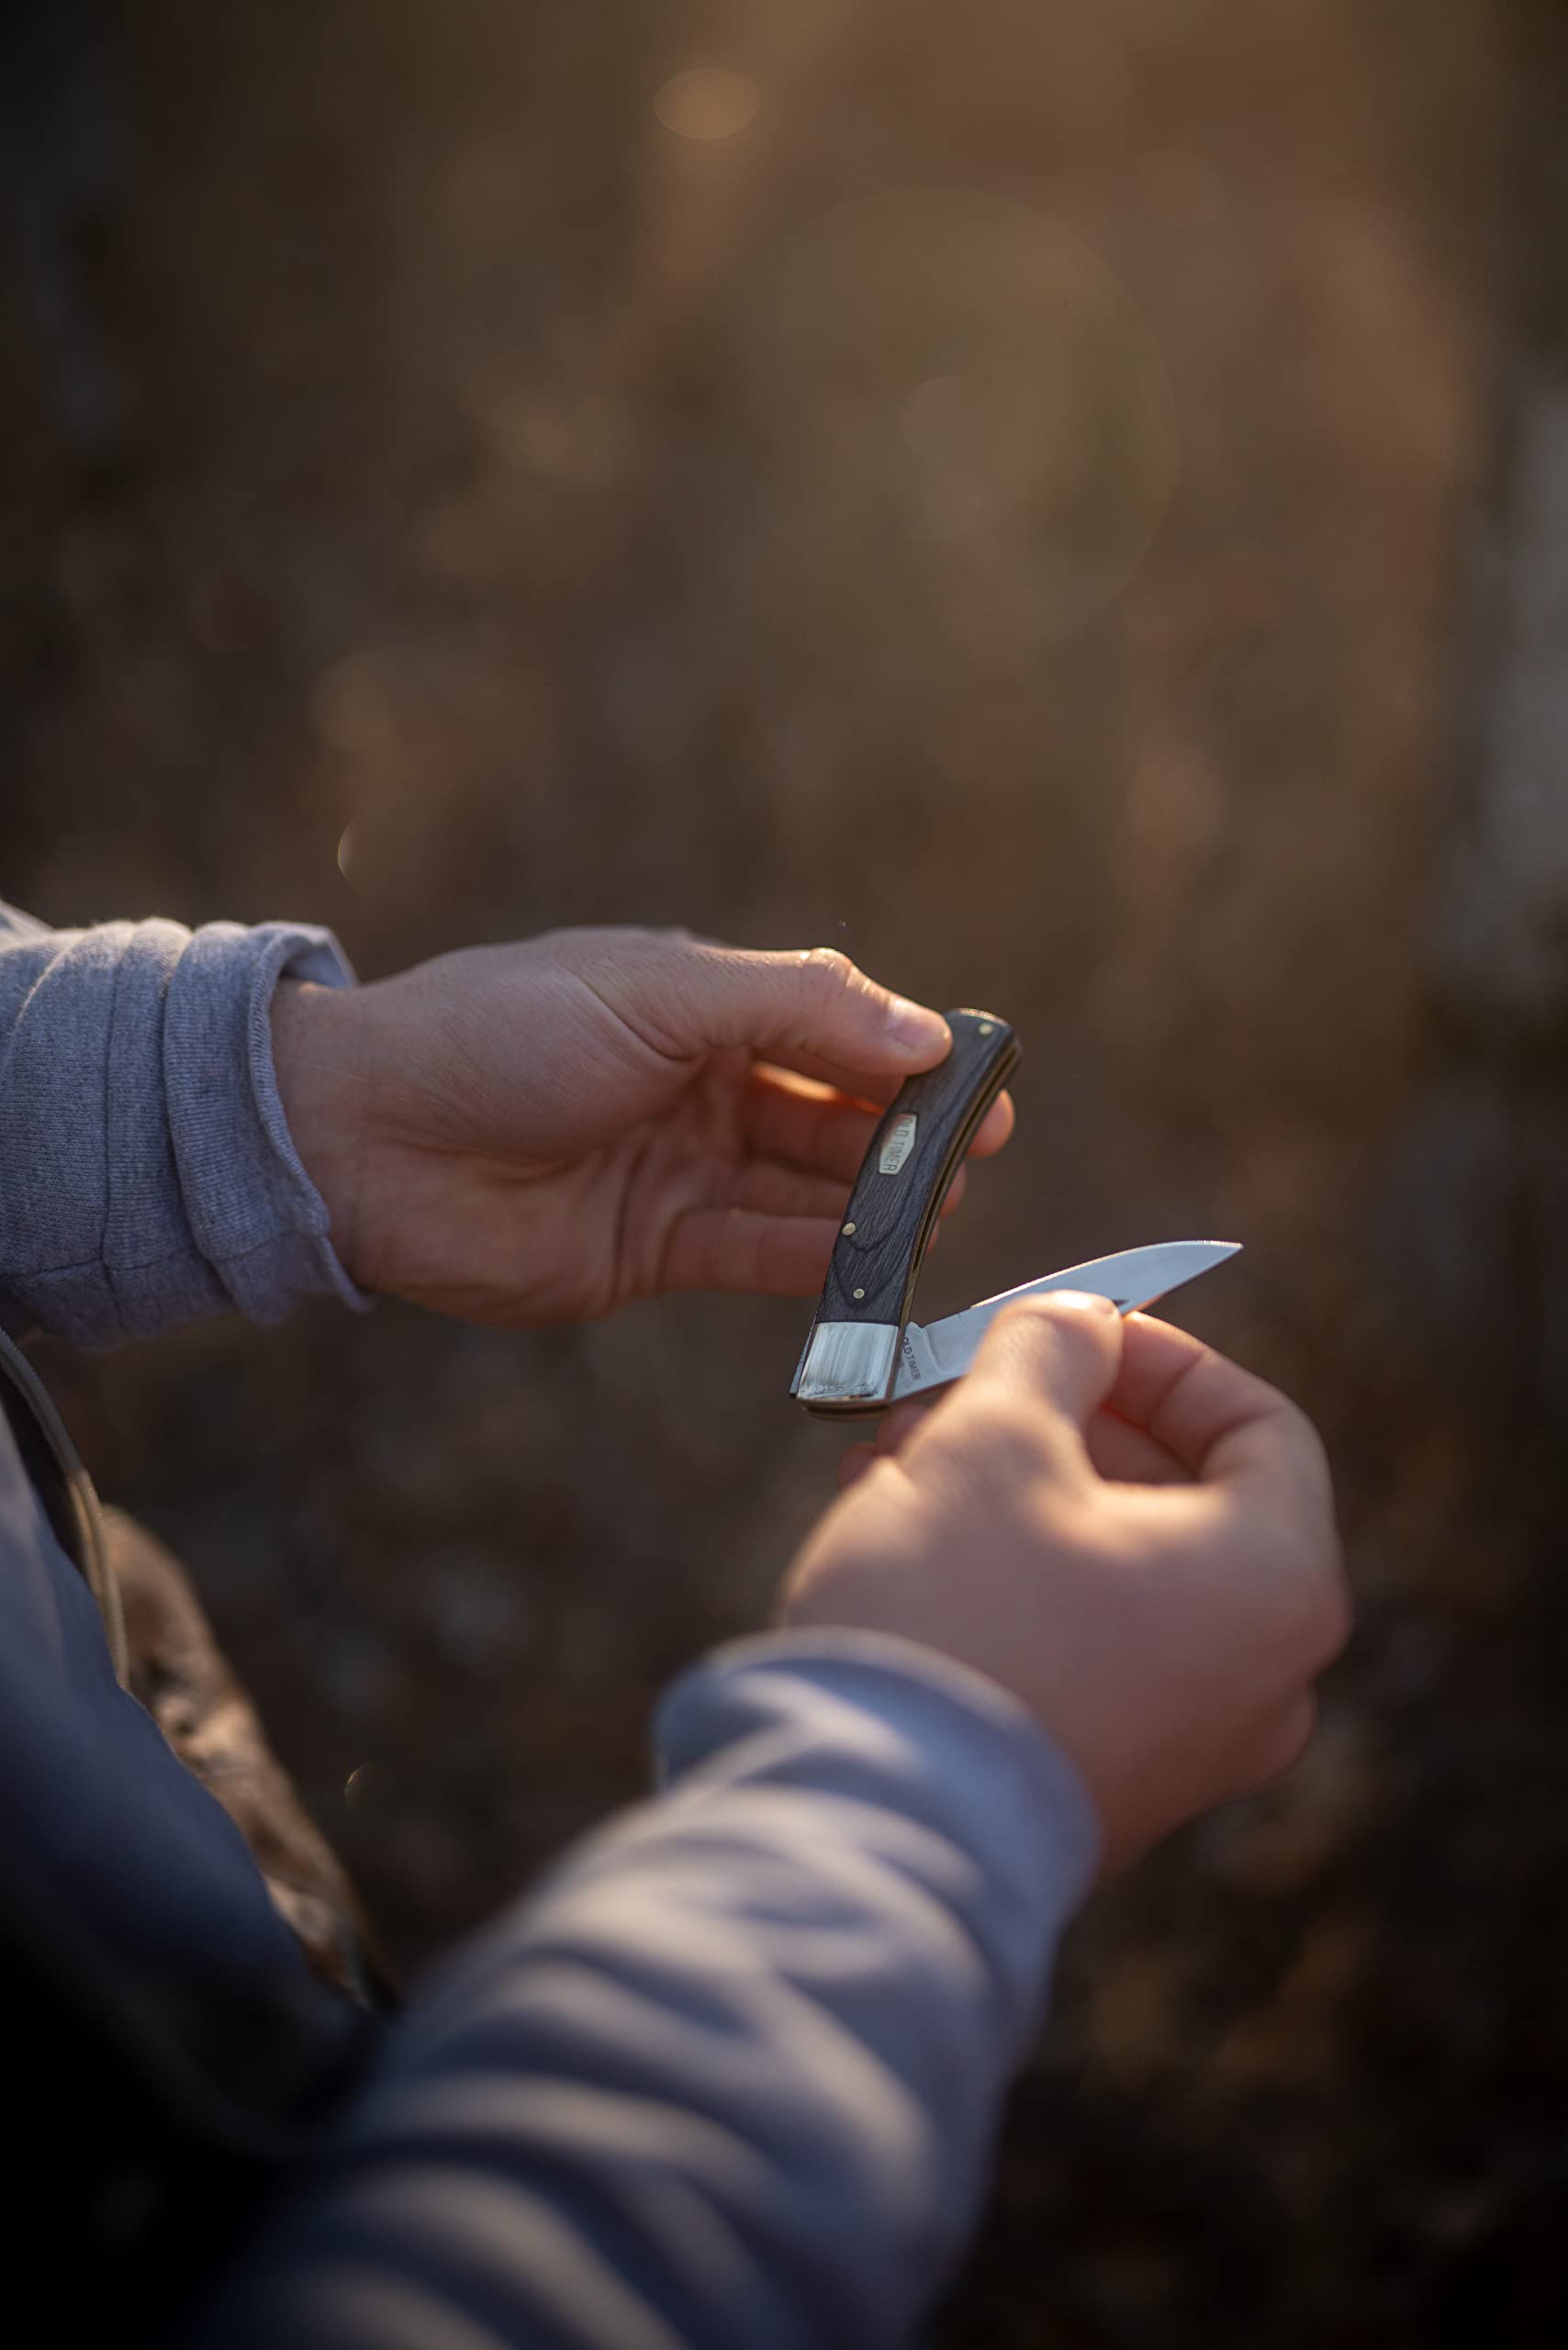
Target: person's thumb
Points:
(1063, 1349)
(814, 1010)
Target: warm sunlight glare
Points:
(708, 102)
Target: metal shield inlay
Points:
(898, 1145)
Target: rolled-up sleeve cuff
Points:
(148, 1177)
(254, 1214)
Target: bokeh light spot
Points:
(708, 102)
(581, 437)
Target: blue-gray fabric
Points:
(731, 2076)
(147, 1176)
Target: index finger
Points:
(812, 1011)
(1222, 1424)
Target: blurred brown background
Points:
(1068, 502)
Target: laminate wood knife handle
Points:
(853, 1349)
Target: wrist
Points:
(324, 1084)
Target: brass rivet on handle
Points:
(986, 1027)
(848, 1230)
(859, 1293)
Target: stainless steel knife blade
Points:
(938, 1353)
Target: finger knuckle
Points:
(836, 974)
(1337, 1605)
(1284, 1741)
(1304, 1443)
(829, 978)
(1323, 1613)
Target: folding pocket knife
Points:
(863, 1353)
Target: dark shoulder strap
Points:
(63, 1487)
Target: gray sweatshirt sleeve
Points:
(147, 1176)
(733, 2077)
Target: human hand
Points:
(1130, 1533)
(539, 1132)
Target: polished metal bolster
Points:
(848, 1363)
